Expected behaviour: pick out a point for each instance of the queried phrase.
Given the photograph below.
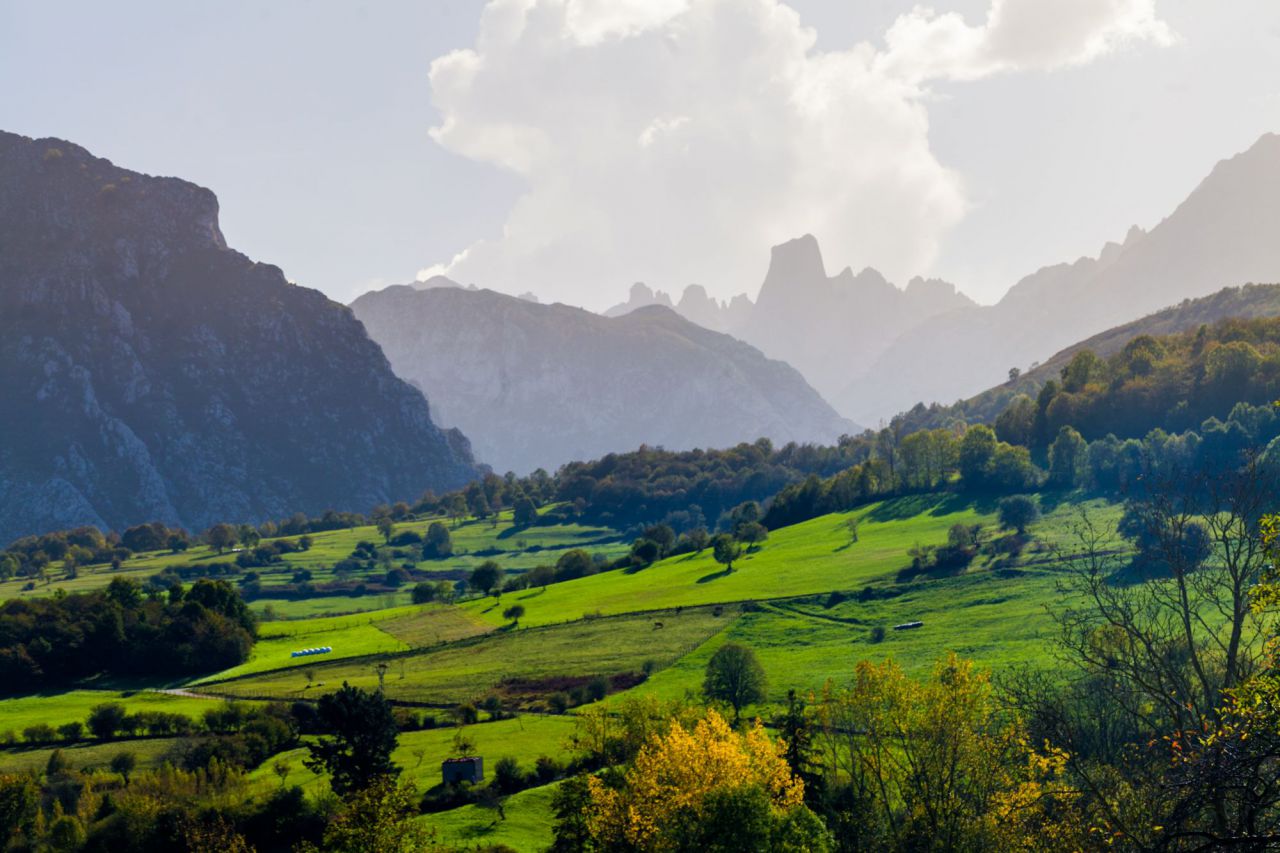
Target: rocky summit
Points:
(148, 372)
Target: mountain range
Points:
(539, 385)
(1223, 234)
(825, 326)
(149, 372)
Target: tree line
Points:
(121, 630)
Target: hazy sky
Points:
(574, 146)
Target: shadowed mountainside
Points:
(147, 371)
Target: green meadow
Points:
(469, 670)
(810, 601)
(68, 706)
(777, 599)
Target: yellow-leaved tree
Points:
(705, 788)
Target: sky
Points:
(571, 147)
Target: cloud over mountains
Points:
(671, 140)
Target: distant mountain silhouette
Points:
(695, 305)
(149, 372)
(830, 326)
(826, 326)
(1223, 234)
(540, 385)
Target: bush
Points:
(106, 719)
(547, 769)
(877, 634)
(507, 777)
(39, 733)
(424, 593)
(1018, 512)
(597, 688)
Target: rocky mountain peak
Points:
(794, 263)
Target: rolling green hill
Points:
(777, 599)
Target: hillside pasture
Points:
(522, 664)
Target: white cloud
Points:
(674, 141)
(1018, 35)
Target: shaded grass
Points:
(419, 754)
(149, 752)
(435, 625)
(527, 827)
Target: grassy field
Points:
(778, 600)
(471, 669)
(349, 636)
(67, 706)
(813, 557)
(801, 645)
(432, 625)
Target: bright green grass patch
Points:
(527, 827)
(471, 669)
(350, 636)
(807, 558)
(149, 752)
(69, 706)
(814, 556)
(419, 754)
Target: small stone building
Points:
(469, 769)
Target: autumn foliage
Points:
(682, 777)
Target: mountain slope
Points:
(149, 372)
(1223, 234)
(540, 385)
(1248, 302)
(1251, 301)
